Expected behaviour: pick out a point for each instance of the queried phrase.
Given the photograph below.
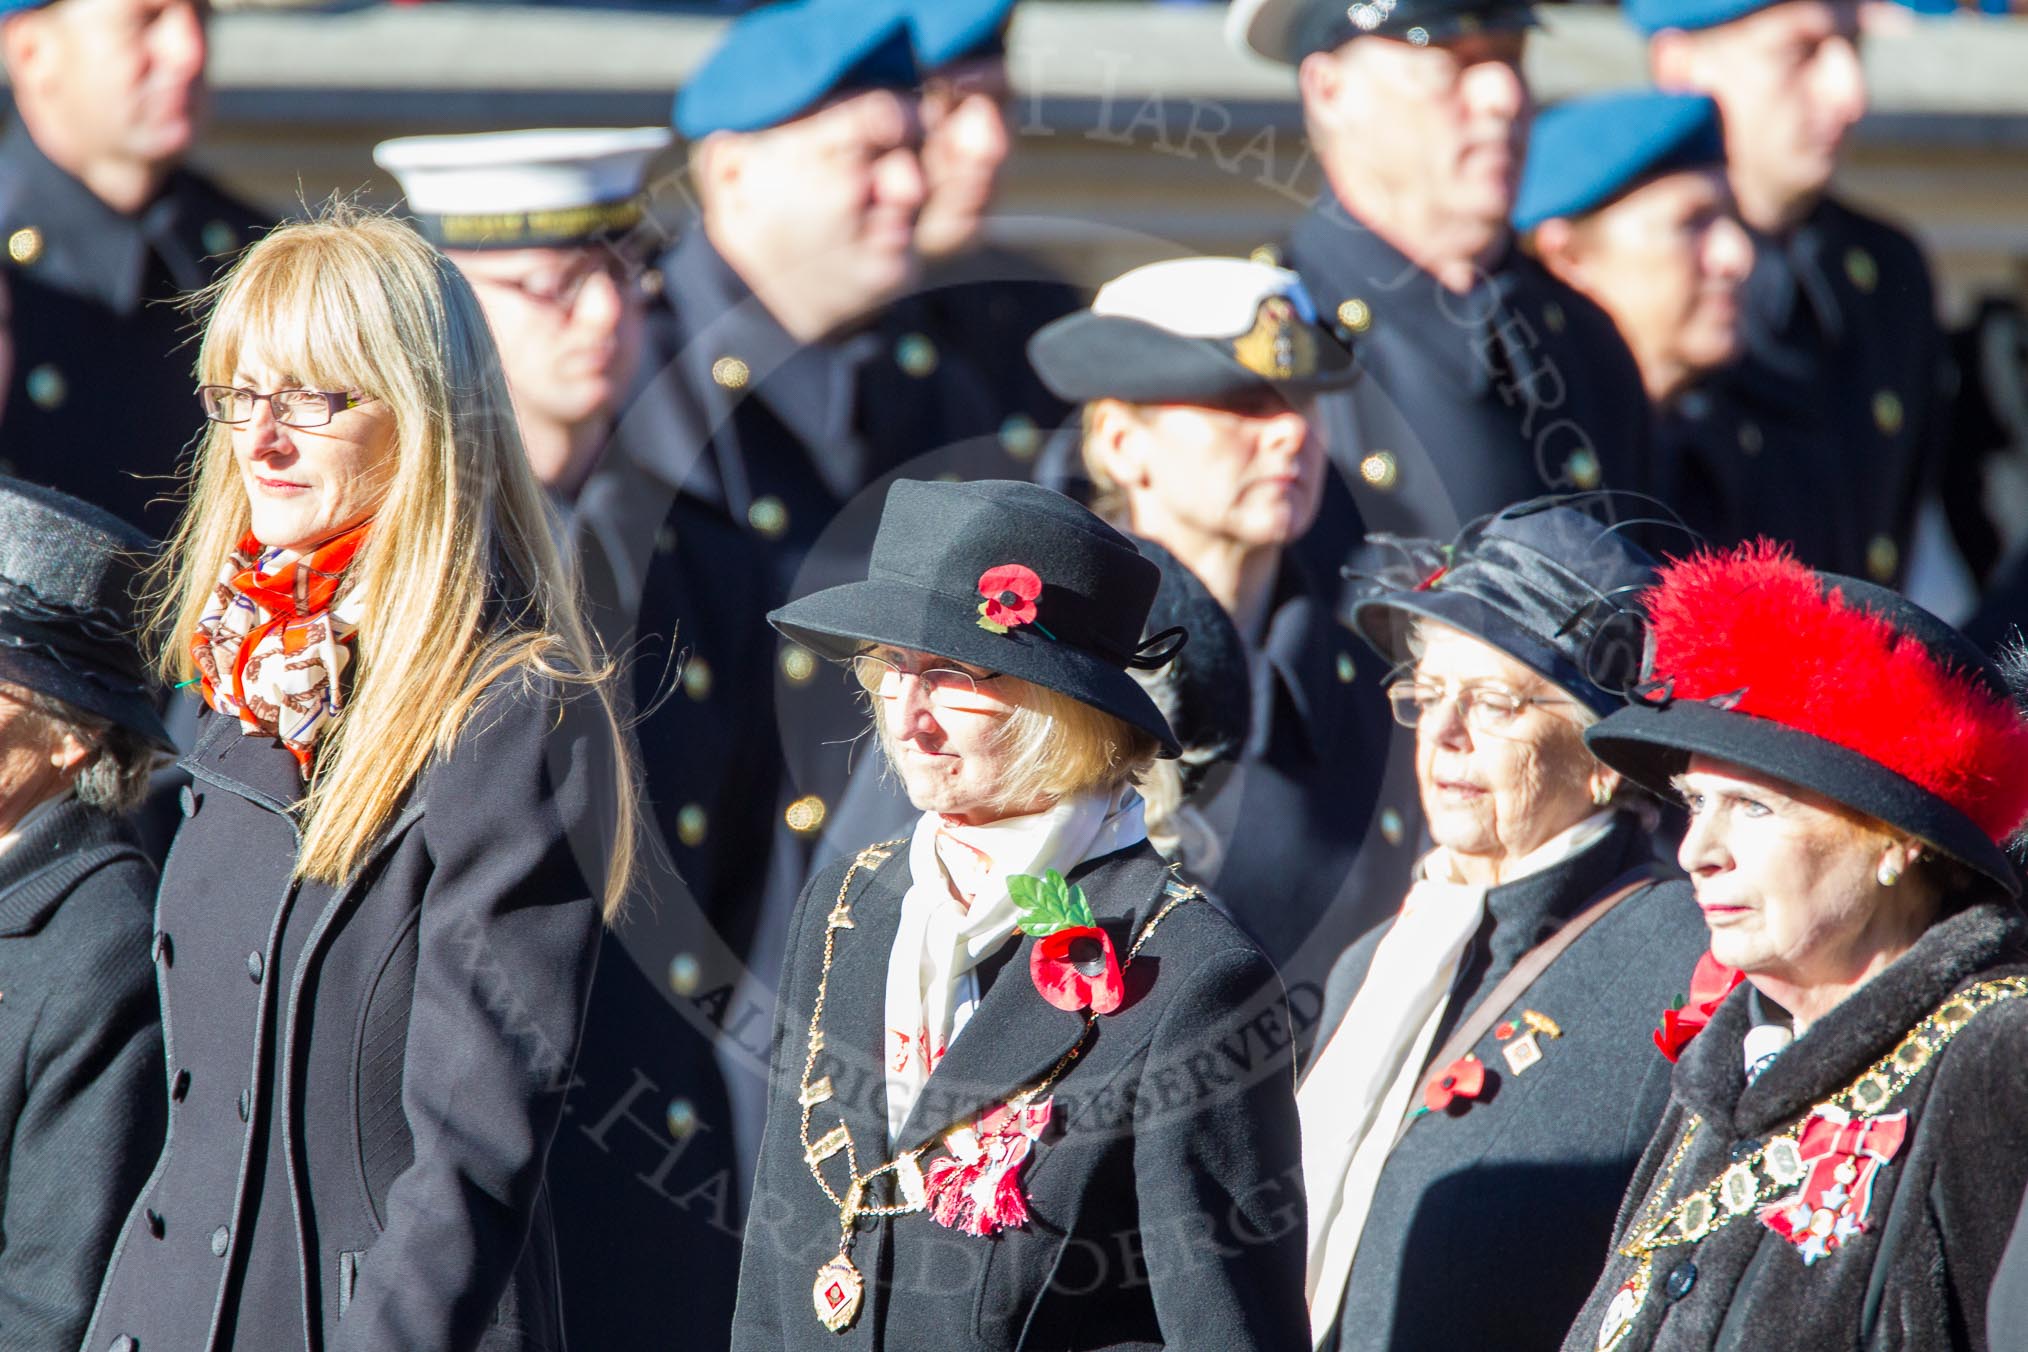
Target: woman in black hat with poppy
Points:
(1841, 1158)
(1029, 1090)
(80, 1046)
(1484, 1080)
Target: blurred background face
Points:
(1666, 261)
(966, 141)
(118, 79)
(568, 326)
(306, 485)
(1789, 83)
(1437, 130)
(1250, 474)
(830, 200)
(1786, 881)
(1496, 795)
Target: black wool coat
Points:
(364, 1080)
(1165, 1201)
(1940, 1210)
(80, 1067)
(1489, 1217)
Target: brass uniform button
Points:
(1391, 826)
(684, 974)
(768, 516)
(1582, 469)
(731, 373)
(665, 540)
(1356, 315)
(24, 246)
(218, 237)
(806, 814)
(691, 825)
(1347, 670)
(1883, 558)
(697, 678)
(1020, 437)
(47, 389)
(915, 355)
(1553, 317)
(681, 1118)
(649, 283)
(1860, 267)
(1887, 412)
(1380, 470)
(1267, 255)
(1750, 439)
(799, 664)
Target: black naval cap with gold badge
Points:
(1289, 30)
(1193, 331)
(524, 189)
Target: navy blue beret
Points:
(1584, 153)
(1652, 16)
(957, 30)
(777, 62)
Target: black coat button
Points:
(1746, 1147)
(255, 966)
(123, 1343)
(186, 798)
(179, 1089)
(156, 1225)
(220, 1237)
(165, 949)
(245, 1105)
(1681, 1278)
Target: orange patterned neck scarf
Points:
(277, 637)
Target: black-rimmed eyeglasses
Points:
(292, 408)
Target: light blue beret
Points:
(777, 62)
(1652, 16)
(1584, 153)
(953, 30)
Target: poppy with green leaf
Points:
(1073, 963)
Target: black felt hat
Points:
(1836, 686)
(1004, 575)
(66, 607)
(1193, 331)
(1544, 581)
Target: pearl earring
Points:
(1888, 875)
(1601, 793)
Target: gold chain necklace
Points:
(1778, 1164)
(840, 1288)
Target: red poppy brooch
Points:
(1464, 1078)
(1710, 983)
(1011, 591)
(976, 1188)
(1072, 963)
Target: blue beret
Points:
(18, 6)
(1652, 16)
(1584, 153)
(954, 30)
(777, 62)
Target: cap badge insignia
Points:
(1280, 346)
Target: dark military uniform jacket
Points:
(1909, 1251)
(1837, 402)
(80, 1066)
(364, 1079)
(102, 403)
(1469, 403)
(1489, 1217)
(1164, 1199)
(751, 468)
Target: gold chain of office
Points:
(840, 1288)
(1777, 1164)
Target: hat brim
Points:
(838, 621)
(130, 710)
(1651, 743)
(1085, 356)
(1384, 621)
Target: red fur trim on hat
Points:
(1759, 623)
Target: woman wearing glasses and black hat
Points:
(81, 1045)
(1029, 1090)
(1842, 1155)
(1485, 1076)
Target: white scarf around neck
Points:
(1358, 1090)
(932, 985)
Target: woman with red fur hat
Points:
(1840, 1162)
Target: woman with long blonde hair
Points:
(410, 811)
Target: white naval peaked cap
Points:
(520, 189)
(1201, 297)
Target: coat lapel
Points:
(257, 768)
(1015, 1036)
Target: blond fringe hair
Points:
(1059, 747)
(354, 300)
